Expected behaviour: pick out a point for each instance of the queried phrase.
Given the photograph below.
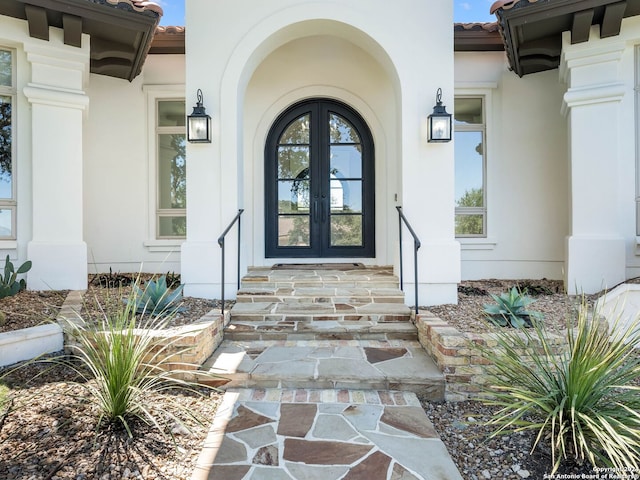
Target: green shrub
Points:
(583, 402)
(510, 310)
(9, 284)
(120, 363)
(156, 299)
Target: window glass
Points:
(171, 173)
(171, 113)
(468, 111)
(6, 223)
(470, 167)
(6, 180)
(6, 79)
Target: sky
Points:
(465, 11)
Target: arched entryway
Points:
(319, 183)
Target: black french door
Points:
(319, 183)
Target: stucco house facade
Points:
(319, 116)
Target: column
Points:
(595, 251)
(58, 103)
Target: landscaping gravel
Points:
(51, 432)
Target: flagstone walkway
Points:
(322, 368)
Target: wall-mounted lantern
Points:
(439, 122)
(199, 123)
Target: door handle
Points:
(315, 211)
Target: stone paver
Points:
(332, 439)
(320, 364)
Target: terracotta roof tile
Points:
(170, 29)
(139, 5)
(486, 26)
(506, 4)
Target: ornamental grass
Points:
(584, 402)
(120, 359)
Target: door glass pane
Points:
(6, 222)
(172, 226)
(293, 231)
(346, 196)
(341, 131)
(297, 132)
(172, 174)
(293, 162)
(5, 68)
(468, 169)
(6, 184)
(346, 161)
(293, 196)
(346, 230)
(171, 113)
(468, 111)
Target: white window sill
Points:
(477, 243)
(8, 245)
(164, 245)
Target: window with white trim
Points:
(171, 174)
(470, 167)
(7, 146)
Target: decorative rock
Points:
(524, 473)
(486, 474)
(266, 456)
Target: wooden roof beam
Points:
(38, 22)
(72, 26)
(612, 20)
(581, 26)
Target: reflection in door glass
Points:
(346, 196)
(346, 230)
(293, 196)
(346, 161)
(293, 162)
(297, 132)
(293, 230)
(341, 131)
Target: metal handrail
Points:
(416, 247)
(221, 243)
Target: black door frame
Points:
(319, 109)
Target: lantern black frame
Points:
(199, 118)
(438, 116)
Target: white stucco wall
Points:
(246, 83)
(119, 171)
(526, 170)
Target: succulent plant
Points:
(156, 299)
(510, 310)
(9, 284)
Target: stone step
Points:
(334, 295)
(325, 277)
(319, 330)
(320, 312)
(327, 364)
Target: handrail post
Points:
(222, 279)
(400, 246)
(416, 247)
(221, 240)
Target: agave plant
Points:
(156, 299)
(585, 402)
(510, 310)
